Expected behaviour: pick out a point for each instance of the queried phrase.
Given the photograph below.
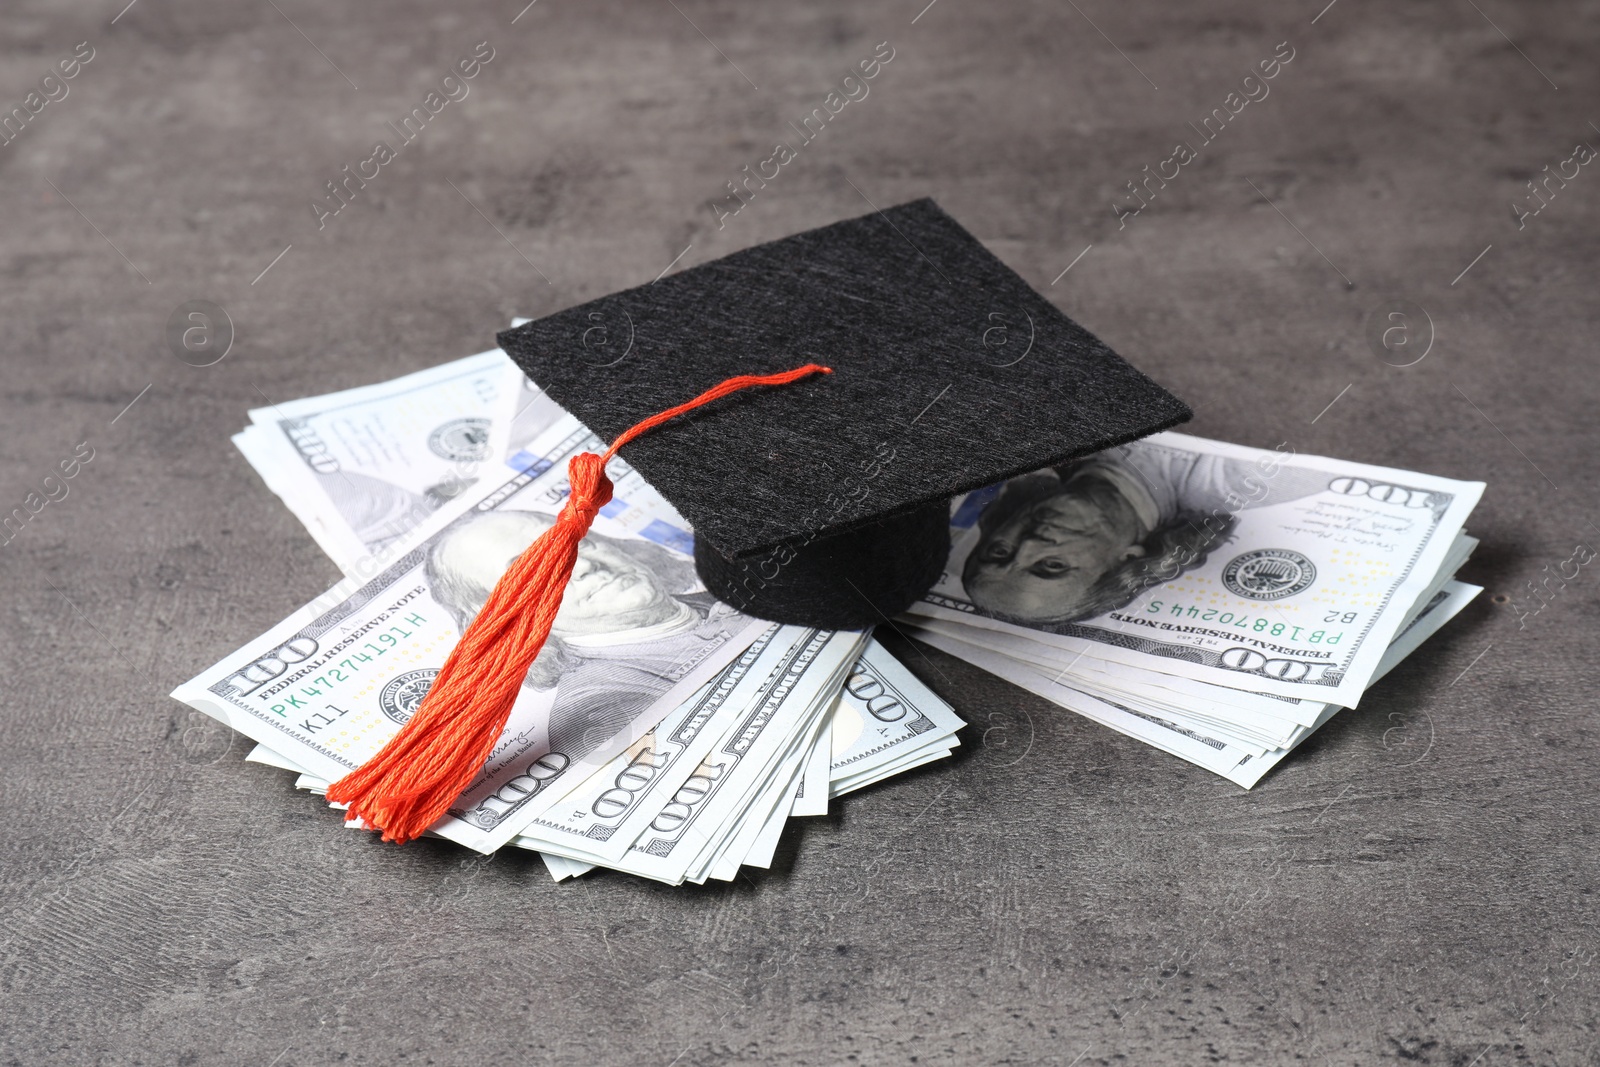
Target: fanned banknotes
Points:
(1214, 601)
(659, 731)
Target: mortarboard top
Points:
(825, 502)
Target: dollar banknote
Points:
(886, 722)
(750, 766)
(1205, 745)
(883, 721)
(1265, 720)
(363, 468)
(752, 836)
(636, 636)
(601, 820)
(1252, 569)
(707, 782)
(811, 793)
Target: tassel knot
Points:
(590, 488)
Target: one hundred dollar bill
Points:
(636, 636)
(761, 822)
(1260, 570)
(1258, 719)
(1244, 765)
(811, 793)
(742, 756)
(363, 468)
(602, 819)
(886, 718)
(884, 721)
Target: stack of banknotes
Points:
(1217, 602)
(659, 732)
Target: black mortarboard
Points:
(826, 502)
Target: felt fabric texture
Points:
(950, 373)
(845, 581)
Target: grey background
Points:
(1416, 884)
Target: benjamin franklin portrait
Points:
(630, 624)
(1074, 542)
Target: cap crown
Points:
(950, 373)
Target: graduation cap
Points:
(826, 502)
(811, 406)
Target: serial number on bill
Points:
(1260, 624)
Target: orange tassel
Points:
(412, 781)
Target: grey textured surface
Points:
(1416, 884)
